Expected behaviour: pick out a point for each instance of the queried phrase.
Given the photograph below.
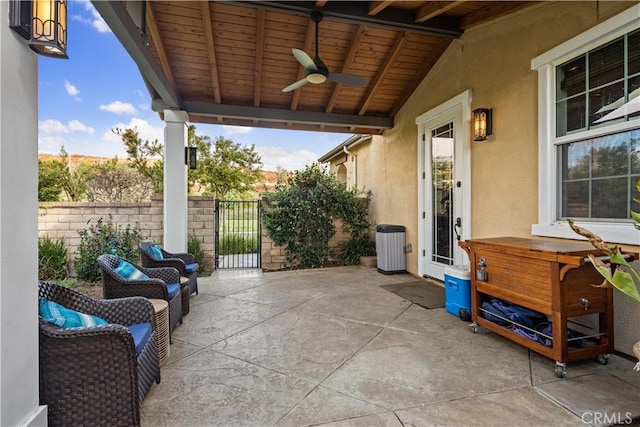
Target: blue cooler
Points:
(457, 291)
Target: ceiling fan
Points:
(315, 71)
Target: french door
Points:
(444, 186)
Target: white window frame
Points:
(548, 168)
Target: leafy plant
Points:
(194, 248)
(300, 215)
(103, 238)
(52, 259)
(624, 277)
(239, 243)
(359, 245)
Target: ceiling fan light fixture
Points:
(316, 78)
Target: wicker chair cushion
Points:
(65, 317)
(173, 289)
(155, 251)
(191, 267)
(140, 332)
(128, 271)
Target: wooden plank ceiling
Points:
(227, 62)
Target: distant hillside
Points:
(78, 158)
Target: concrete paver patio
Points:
(330, 347)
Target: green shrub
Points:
(52, 259)
(300, 215)
(103, 238)
(194, 248)
(359, 245)
(239, 243)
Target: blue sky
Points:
(99, 88)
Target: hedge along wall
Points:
(64, 220)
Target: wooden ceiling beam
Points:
(435, 8)
(388, 64)
(426, 66)
(152, 28)
(376, 7)
(348, 60)
(245, 112)
(357, 12)
(211, 49)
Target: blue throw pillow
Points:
(128, 271)
(65, 317)
(156, 252)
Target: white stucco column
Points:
(175, 181)
(19, 401)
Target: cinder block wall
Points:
(64, 220)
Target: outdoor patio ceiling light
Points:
(316, 78)
(43, 23)
(482, 123)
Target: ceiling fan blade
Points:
(347, 79)
(304, 59)
(295, 85)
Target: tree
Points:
(50, 175)
(115, 182)
(57, 175)
(147, 157)
(225, 166)
(300, 215)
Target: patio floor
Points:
(330, 347)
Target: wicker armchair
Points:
(115, 286)
(179, 261)
(91, 375)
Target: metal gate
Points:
(238, 239)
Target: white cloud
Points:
(146, 131)
(52, 134)
(119, 107)
(76, 126)
(71, 89)
(231, 130)
(54, 127)
(273, 156)
(95, 20)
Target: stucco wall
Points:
(494, 61)
(64, 220)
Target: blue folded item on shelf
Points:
(511, 312)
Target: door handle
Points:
(456, 226)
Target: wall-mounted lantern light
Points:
(482, 123)
(191, 157)
(43, 23)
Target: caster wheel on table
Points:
(463, 314)
(602, 359)
(474, 327)
(561, 370)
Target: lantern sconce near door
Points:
(482, 123)
(43, 23)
